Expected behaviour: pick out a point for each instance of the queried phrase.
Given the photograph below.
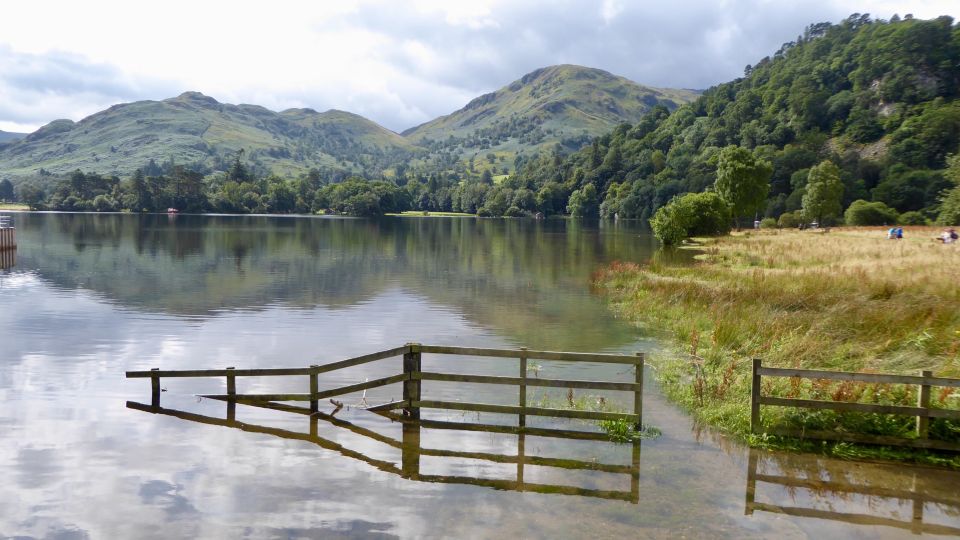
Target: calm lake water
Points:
(91, 296)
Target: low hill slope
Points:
(197, 130)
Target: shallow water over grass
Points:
(94, 295)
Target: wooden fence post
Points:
(923, 401)
(155, 388)
(755, 397)
(231, 394)
(523, 387)
(314, 388)
(750, 494)
(638, 393)
(411, 386)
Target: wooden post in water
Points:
(755, 397)
(923, 401)
(750, 495)
(638, 393)
(231, 394)
(411, 386)
(314, 389)
(521, 457)
(410, 451)
(522, 422)
(635, 474)
(155, 388)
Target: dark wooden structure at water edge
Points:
(407, 412)
(8, 234)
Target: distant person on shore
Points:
(899, 233)
(948, 236)
(892, 233)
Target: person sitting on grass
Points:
(892, 233)
(948, 236)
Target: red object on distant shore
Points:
(172, 211)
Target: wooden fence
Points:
(413, 377)
(916, 498)
(923, 411)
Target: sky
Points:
(397, 63)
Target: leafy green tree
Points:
(6, 190)
(671, 223)
(583, 202)
(709, 214)
(950, 208)
(862, 213)
(32, 196)
(821, 201)
(743, 181)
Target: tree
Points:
(6, 190)
(862, 212)
(743, 181)
(671, 223)
(821, 200)
(583, 202)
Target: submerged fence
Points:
(923, 411)
(413, 378)
(8, 234)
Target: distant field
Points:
(13, 206)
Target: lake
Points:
(88, 297)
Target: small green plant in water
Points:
(622, 430)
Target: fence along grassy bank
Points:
(846, 300)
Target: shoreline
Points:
(848, 300)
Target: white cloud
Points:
(398, 63)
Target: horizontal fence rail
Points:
(413, 376)
(922, 411)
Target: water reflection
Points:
(892, 500)
(527, 279)
(8, 258)
(411, 450)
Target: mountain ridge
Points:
(556, 104)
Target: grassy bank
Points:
(13, 206)
(844, 300)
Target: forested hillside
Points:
(876, 98)
(563, 105)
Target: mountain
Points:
(558, 104)
(880, 99)
(196, 130)
(6, 136)
(563, 104)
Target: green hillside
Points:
(879, 99)
(205, 135)
(7, 137)
(563, 104)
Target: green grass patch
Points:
(849, 300)
(13, 206)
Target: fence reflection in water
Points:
(839, 488)
(411, 450)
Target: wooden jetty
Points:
(407, 412)
(923, 411)
(8, 234)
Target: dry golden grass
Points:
(845, 300)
